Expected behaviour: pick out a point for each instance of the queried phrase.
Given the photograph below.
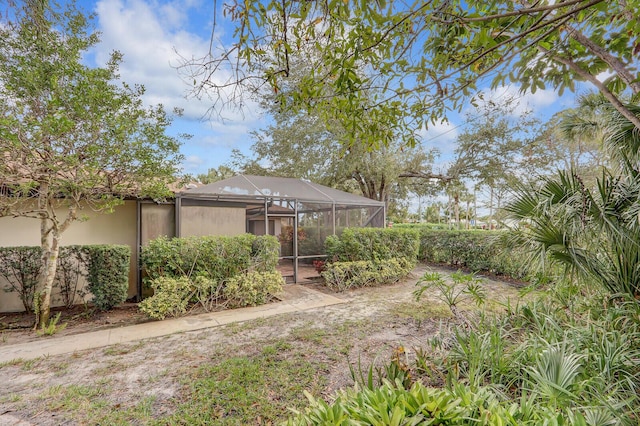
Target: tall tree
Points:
(421, 58)
(301, 146)
(305, 145)
(71, 136)
(496, 143)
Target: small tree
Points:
(70, 136)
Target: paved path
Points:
(294, 299)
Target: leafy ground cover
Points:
(249, 373)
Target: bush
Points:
(105, 267)
(373, 244)
(170, 297)
(489, 251)
(254, 288)
(341, 276)
(211, 271)
(214, 257)
(108, 274)
(72, 267)
(573, 358)
(20, 268)
(264, 253)
(393, 404)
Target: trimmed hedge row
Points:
(372, 244)
(105, 268)
(212, 271)
(214, 257)
(341, 276)
(108, 274)
(488, 251)
(362, 257)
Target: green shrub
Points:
(392, 404)
(211, 270)
(373, 244)
(573, 359)
(170, 297)
(108, 274)
(72, 268)
(105, 267)
(489, 251)
(20, 268)
(254, 288)
(264, 253)
(341, 276)
(214, 257)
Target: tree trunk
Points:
(50, 252)
(456, 206)
(51, 230)
(467, 215)
(490, 207)
(475, 208)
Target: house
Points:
(300, 213)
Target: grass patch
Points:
(309, 333)
(245, 326)
(120, 349)
(88, 405)
(109, 366)
(258, 389)
(28, 364)
(11, 398)
(13, 362)
(421, 311)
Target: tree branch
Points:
(616, 64)
(610, 96)
(422, 175)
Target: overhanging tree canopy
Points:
(386, 68)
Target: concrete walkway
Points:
(295, 298)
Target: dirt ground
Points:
(372, 323)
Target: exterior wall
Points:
(118, 227)
(209, 220)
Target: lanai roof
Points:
(261, 187)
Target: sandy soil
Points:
(374, 321)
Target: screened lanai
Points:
(301, 214)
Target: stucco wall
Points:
(206, 220)
(118, 227)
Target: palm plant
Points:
(593, 231)
(555, 374)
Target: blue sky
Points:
(153, 33)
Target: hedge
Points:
(476, 250)
(20, 268)
(341, 276)
(214, 257)
(372, 244)
(213, 271)
(108, 274)
(254, 288)
(106, 268)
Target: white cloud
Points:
(153, 38)
(148, 36)
(192, 163)
(441, 136)
(153, 35)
